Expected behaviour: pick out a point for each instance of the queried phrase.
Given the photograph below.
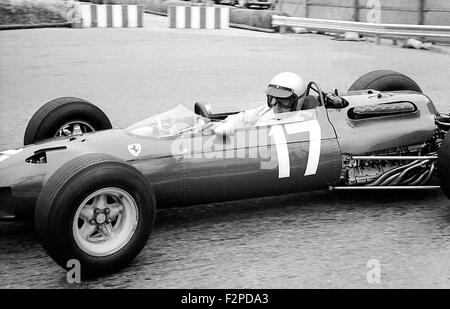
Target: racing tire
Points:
(385, 80)
(56, 114)
(77, 194)
(443, 165)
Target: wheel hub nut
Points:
(101, 218)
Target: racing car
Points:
(93, 190)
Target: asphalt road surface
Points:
(307, 240)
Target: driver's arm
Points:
(240, 120)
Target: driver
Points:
(286, 92)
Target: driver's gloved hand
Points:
(334, 101)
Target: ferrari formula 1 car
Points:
(93, 190)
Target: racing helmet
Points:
(286, 85)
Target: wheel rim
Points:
(105, 221)
(75, 127)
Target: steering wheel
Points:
(202, 109)
(317, 90)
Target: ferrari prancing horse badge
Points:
(135, 149)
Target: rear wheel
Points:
(96, 209)
(65, 117)
(385, 80)
(443, 165)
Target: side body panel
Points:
(370, 135)
(288, 156)
(21, 182)
(284, 157)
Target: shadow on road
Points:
(311, 203)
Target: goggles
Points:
(288, 102)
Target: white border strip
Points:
(180, 17)
(85, 10)
(132, 16)
(101, 16)
(195, 17)
(210, 17)
(224, 18)
(117, 16)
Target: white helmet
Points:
(285, 84)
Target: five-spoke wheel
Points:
(96, 209)
(105, 221)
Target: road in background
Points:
(318, 239)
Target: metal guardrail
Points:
(377, 30)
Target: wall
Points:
(429, 12)
(32, 12)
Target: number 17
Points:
(315, 136)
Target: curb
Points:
(155, 12)
(247, 27)
(241, 26)
(30, 26)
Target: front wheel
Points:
(96, 209)
(65, 116)
(443, 165)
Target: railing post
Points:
(280, 7)
(420, 15)
(420, 12)
(378, 39)
(306, 8)
(356, 10)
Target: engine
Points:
(367, 170)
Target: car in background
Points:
(248, 3)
